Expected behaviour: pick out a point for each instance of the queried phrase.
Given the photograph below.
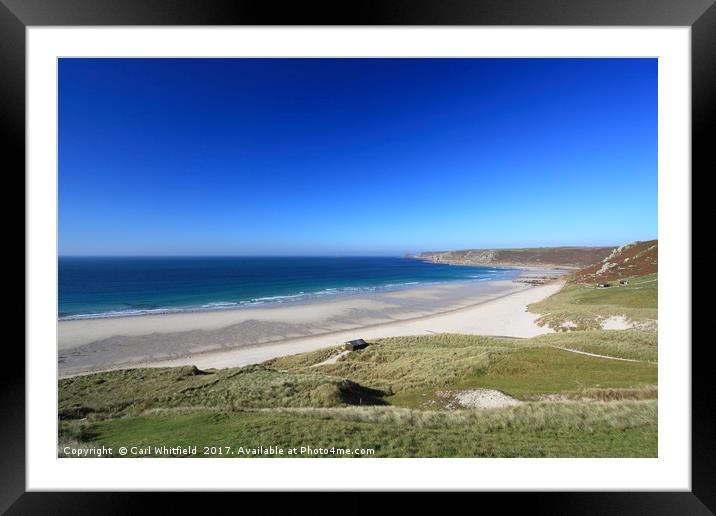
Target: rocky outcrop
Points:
(627, 261)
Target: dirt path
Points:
(333, 359)
(602, 356)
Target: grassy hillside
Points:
(579, 306)
(397, 397)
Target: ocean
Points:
(92, 287)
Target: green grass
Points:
(618, 429)
(585, 306)
(629, 344)
(529, 372)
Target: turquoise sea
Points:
(122, 286)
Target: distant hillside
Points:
(574, 257)
(635, 259)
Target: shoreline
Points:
(330, 294)
(255, 334)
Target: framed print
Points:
(451, 240)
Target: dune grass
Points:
(414, 368)
(304, 359)
(379, 398)
(134, 391)
(579, 307)
(402, 364)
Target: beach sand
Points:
(232, 338)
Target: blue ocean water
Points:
(110, 287)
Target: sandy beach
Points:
(231, 338)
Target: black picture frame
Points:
(700, 15)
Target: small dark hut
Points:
(353, 345)
(623, 282)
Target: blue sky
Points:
(354, 156)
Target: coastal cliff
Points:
(566, 257)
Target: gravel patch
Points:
(477, 398)
(485, 398)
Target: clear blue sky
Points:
(354, 156)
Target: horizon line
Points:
(336, 255)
